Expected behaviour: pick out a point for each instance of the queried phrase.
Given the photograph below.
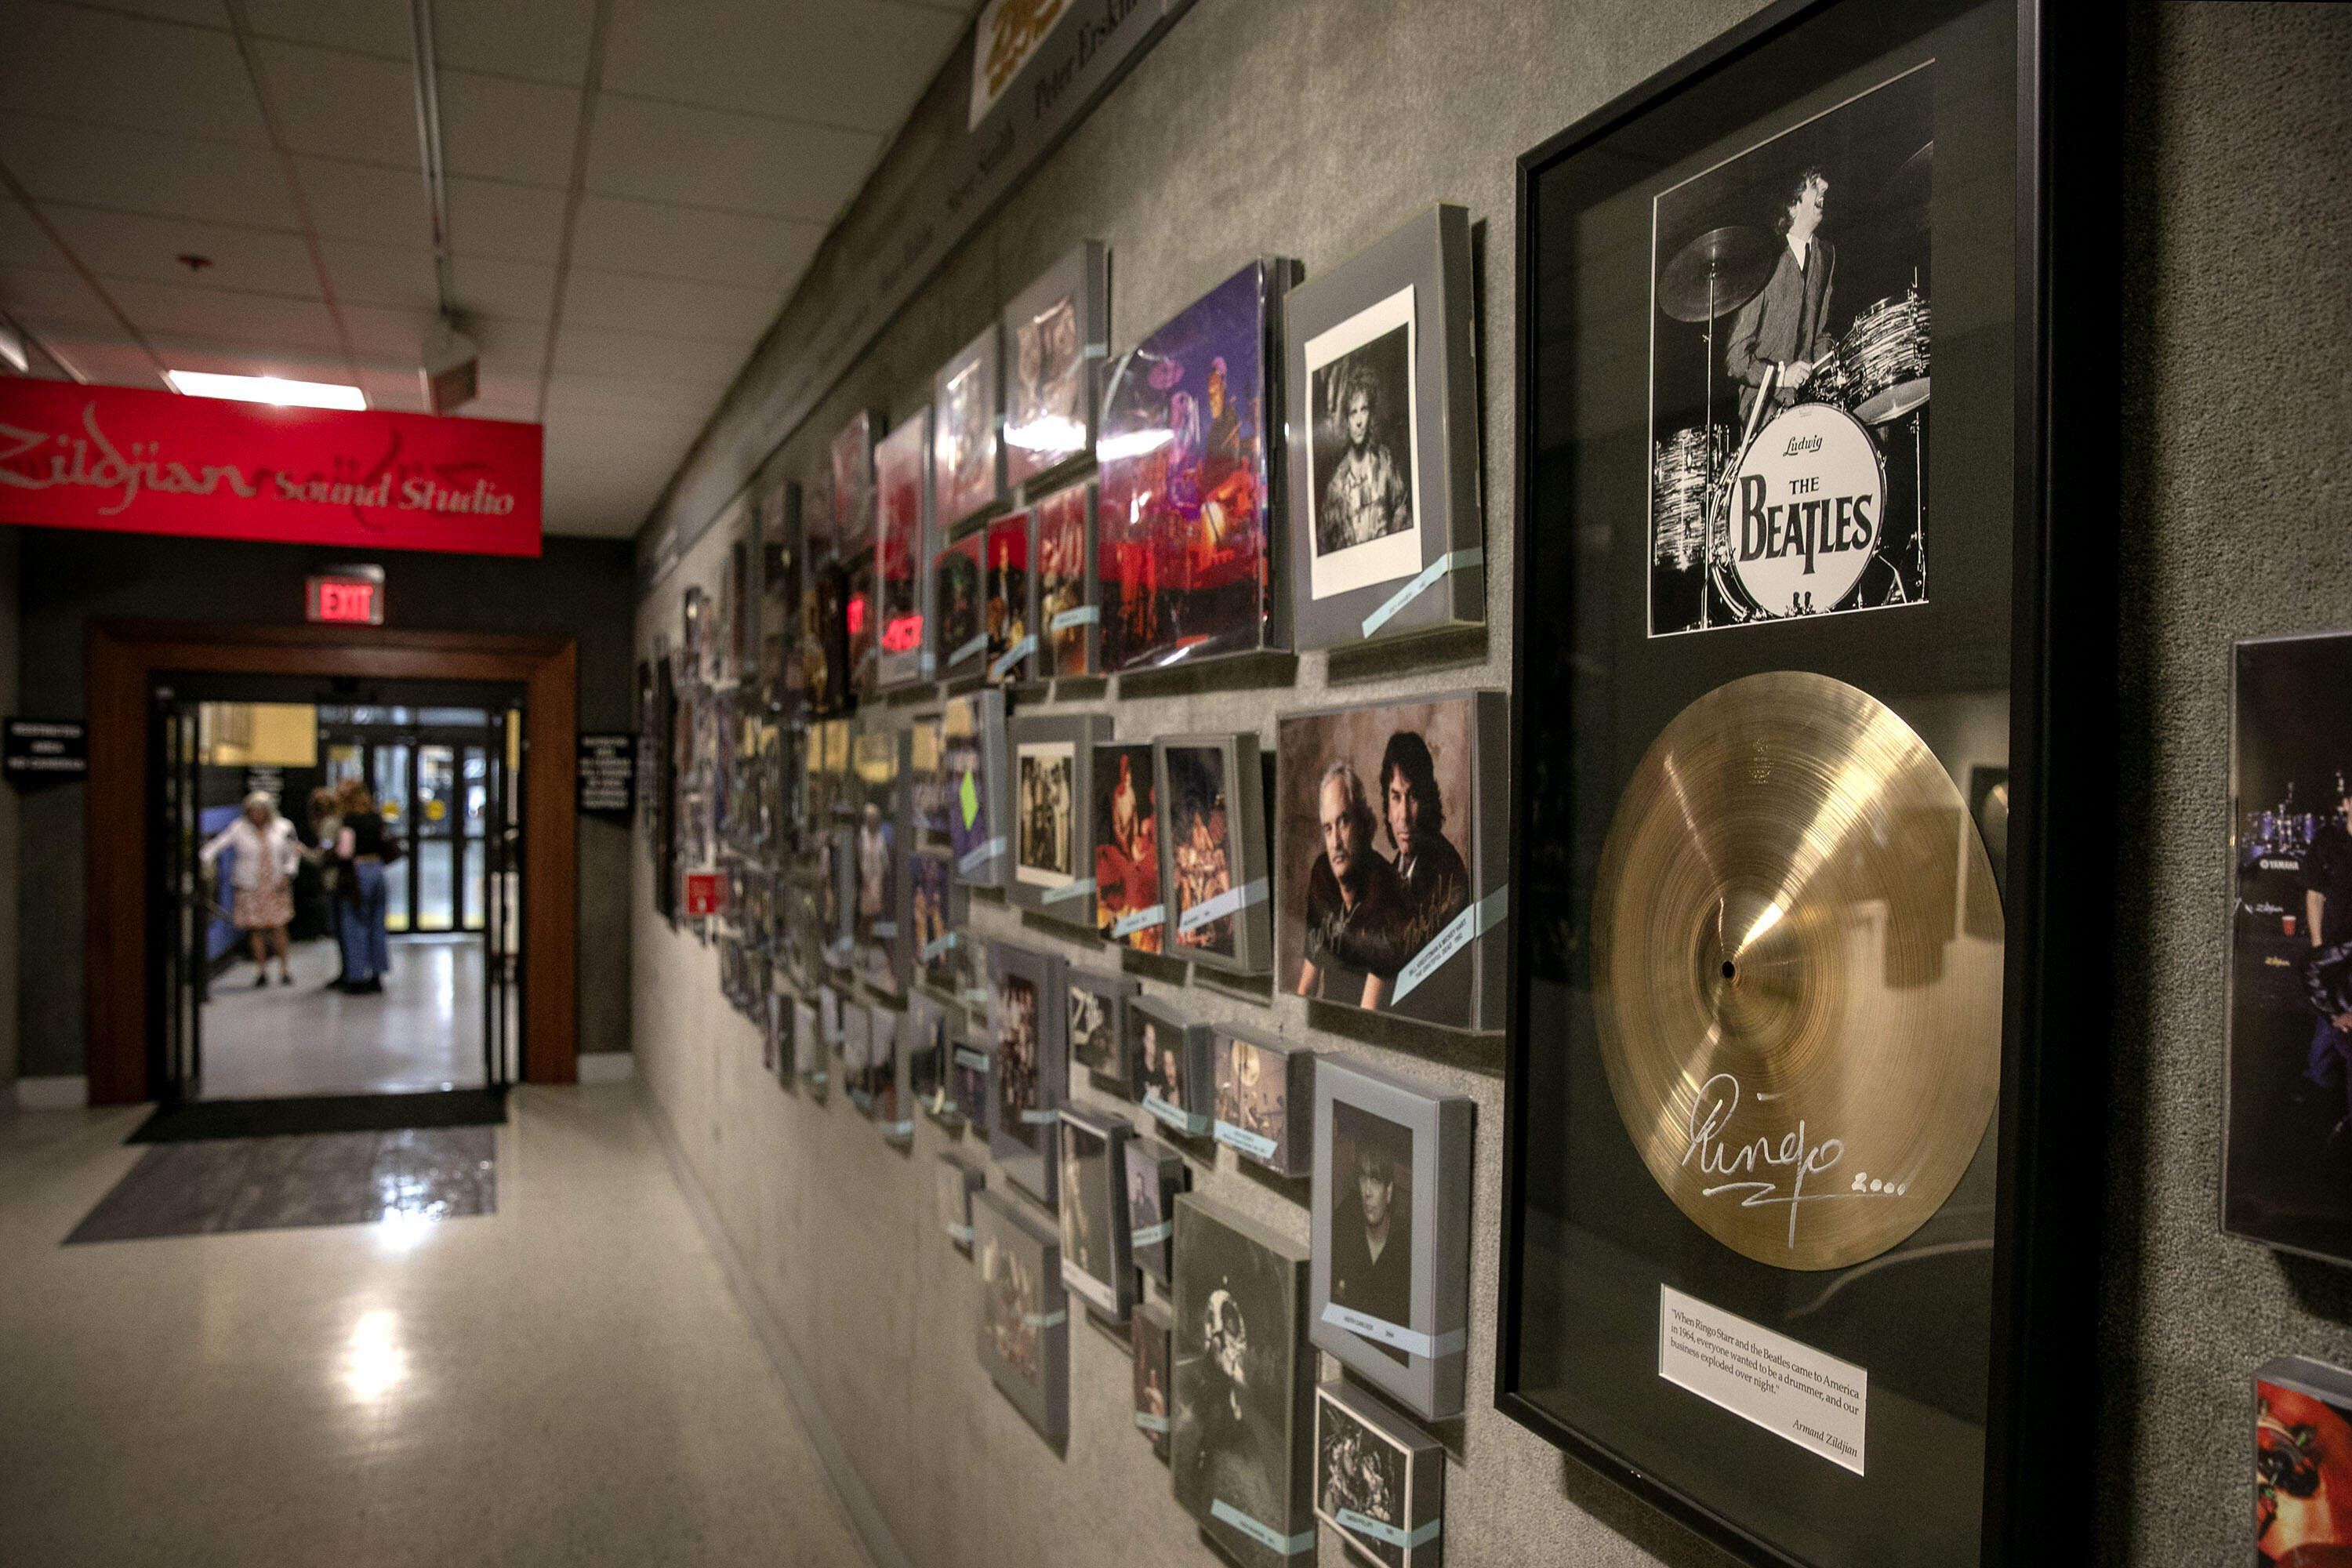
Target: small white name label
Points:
(1815, 1401)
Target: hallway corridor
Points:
(424, 1033)
(566, 1380)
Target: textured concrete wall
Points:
(579, 587)
(1309, 129)
(2237, 415)
(1302, 128)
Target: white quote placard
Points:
(1814, 1400)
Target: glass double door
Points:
(433, 789)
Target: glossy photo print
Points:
(1127, 907)
(901, 551)
(1046, 781)
(1023, 1313)
(1376, 849)
(1005, 604)
(1789, 370)
(1094, 1022)
(1244, 1384)
(1054, 332)
(964, 450)
(960, 602)
(1153, 1331)
(1378, 1480)
(1361, 456)
(1068, 615)
(1183, 542)
(1203, 858)
(1093, 1214)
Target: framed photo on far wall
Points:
(2301, 1461)
(926, 781)
(1244, 1384)
(965, 465)
(1026, 1073)
(972, 741)
(1264, 1106)
(1155, 1175)
(1095, 1258)
(2290, 1015)
(1391, 1214)
(1053, 812)
(851, 463)
(1097, 1009)
(1213, 802)
(1129, 908)
(1391, 859)
(1024, 1317)
(936, 903)
(1057, 332)
(1069, 616)
(1190, 469)
(809, 1058)
(958, 1178)
(1387, 531)
(1007, 601)
(1169, 1057)
(1380, 1480)
(902, 554)
(880, 861)
(932, 1034)
(959, 608)
(1153, 1331)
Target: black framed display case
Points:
(1723, 337)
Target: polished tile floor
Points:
(424, 1032)
(565, 1382)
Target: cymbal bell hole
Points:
(1728, 970)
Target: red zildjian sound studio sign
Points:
(130, 461)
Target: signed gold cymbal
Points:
(1803, 1041)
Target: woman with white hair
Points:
(263, 854)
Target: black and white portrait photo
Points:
(1093, 1037)
(1789, 370)
(1242, 1385)
(1045, 777)
(1358, 1474)
(1372, 1217)
(1361, 457)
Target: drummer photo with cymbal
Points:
(1789, 370)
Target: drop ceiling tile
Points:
(381, 275)
(24, 243)
(517, 346)
(368, 204)
(539, 40)
(621, 397)
(368, 26)
(636, 355)
(853, 64)
(715, 312)
(49, 297)
(128, 246)
(266, 322)
(665, 152)
(519, 291)
(502, 130)
(403, 391)
(337, 105)
(106, 357)
(505, 222)
(125, 70)
(660, 239)
(140, 171)
(389, 336)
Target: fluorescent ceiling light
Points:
(267, 389)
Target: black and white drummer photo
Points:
(1789, 370)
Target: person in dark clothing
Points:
(1432, 879)
(360, 848)
(1353, 898)
(1782, 334)
(1371, 1238)
(2328, 978)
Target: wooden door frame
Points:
(125, 659)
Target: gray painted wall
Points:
(1248, 131)
(579, 588)
(2237, 416)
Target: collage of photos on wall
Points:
(969, 898)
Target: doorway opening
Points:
(250, 1009)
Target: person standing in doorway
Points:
(264, 852)
(359, 847)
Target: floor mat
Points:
(205, 1119)
(274, 1184)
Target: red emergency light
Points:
(348, 596)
